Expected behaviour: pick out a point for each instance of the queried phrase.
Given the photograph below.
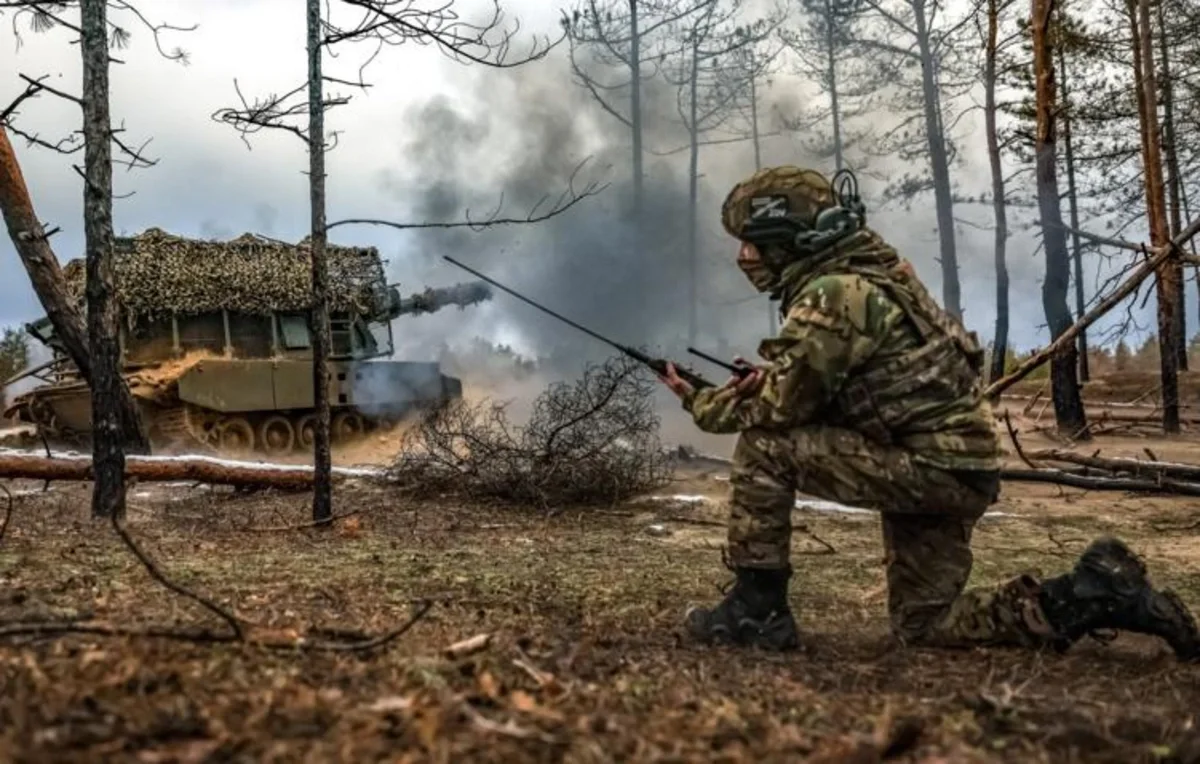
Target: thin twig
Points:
(158, 575)
(8, 510)
(1012, 433)
(828, 548)
(301, 526)
(31, 90)
(206, 636)
(568, 199)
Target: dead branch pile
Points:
(593, 441)
(1112, 473)
(1094, 472)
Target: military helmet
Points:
(774, 192)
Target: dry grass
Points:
(585, 662)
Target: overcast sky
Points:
(207, 183)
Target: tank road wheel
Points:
(235, 436)
(346, 426)
(304, 431)
(276, 435)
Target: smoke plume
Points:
(521, 135)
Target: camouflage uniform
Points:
(871, 396)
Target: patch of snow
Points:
(820, 505)
(683, 499)
(259, 465)
(30, 492)
(814, 505)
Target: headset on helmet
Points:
(772, 225)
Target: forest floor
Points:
(585, 663)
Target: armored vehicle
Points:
(217, 352)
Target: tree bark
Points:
(831, 52)
(322, 506)
(635, 106)
(1073, 211)
(33, 247)
(771, 327)
(108, 456)
(693, 195)
(1068, 403)
(1174, 179)
(1000, 344)
(1170, 272)
(940, 166)
(30, 240)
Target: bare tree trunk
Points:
(635, 105)
(1174, 180)
(771, 325)
(108, 456)
(831, 52)
(1073, 211)
(1000, 344)
(1068, 404)
(693, 197)
(319, 314)
(754, 119)
(940, 165)
(1170, 273)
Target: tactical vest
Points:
(904, 395)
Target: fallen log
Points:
(1121, 464)
(1100, 483)
(1146, 414)
(1154, 406)
(151, 469)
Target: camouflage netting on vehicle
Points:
(159, 273)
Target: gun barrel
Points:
(434, 299)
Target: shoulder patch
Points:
(809, 314)
(838, 297)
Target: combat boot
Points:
(1109, 589)
(755, 612)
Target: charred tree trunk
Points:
(635, 105)
(831, 52)
(754, 119)
(693, 196)
(1068, 404)
(1000, 344)
(108, 454)
(319, 313)
(1170, 273)
(1174, 179)
(939, 162)
(771, 328)
(1073, 211)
